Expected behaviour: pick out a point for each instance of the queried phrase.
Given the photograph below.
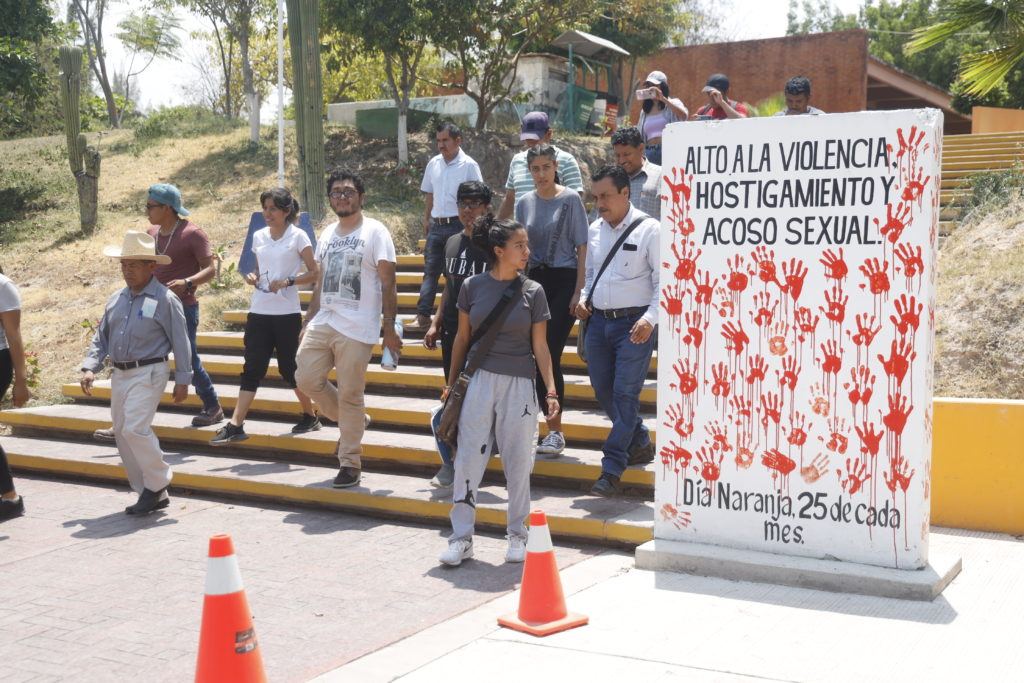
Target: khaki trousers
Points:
(134, 397)
(323, 348)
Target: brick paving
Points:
(91, 594)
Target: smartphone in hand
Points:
(645, 94)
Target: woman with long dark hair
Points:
(556, 223)
(12, 366)
(500, 406)
(658, 111)
(275, 315)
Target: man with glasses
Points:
(441, 179)
(357, 261)
(191, 265)
(461, 260)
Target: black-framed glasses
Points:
(347, 194)
(472, 204)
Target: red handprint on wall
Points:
(797, 435)
(819, 403)
(766, 271)
(897, 475)
(911, 258)
(837, 439)
(738, 279)
(686, 259)
(672, 300)
(676, 457)
(719, 436)
(862, 386)
(895, 221)
(794, 273)
(896, 419)
(831, 357)
(777, 342)
(870, 438)
(875, 271)
(680, 519)
(909, 312)
(771, 408)
(722, 380)
(812, 473)
(790, 373)
(915, 188)
(741, 406)
(702, 294)
(694, 329)
(777, 462)
(807, 322)
(900, 354)
(765, 307)
(710, 467)
(835, 305)
(835, 266)
(679, 420)
(856, 475)
(685, 372)
(756, 368)
(866, 330)
(735, 337)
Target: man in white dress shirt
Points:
(441, 180)
(623, 313)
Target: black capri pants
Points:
(265, 334)
(6, 375)
(559, 285)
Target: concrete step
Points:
(408, 262)
(973, 138)
(620, 521)
(413, 351)
(585, 428)
(410, 379)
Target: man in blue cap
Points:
(191, 265)
(536, 129)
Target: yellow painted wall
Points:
(978, 464)
(996, 120)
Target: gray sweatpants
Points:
(498, 409)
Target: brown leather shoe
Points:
(209, 416)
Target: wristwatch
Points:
(188, 284)
(291, 280)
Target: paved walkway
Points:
(648, 626)
(90, 594)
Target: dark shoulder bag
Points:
(581, 336)
(479, 346)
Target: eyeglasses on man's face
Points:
(347, 194)
(472, 204)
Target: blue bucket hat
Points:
(168, 194)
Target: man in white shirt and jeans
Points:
(623, 315)
(356, 256)
(441, 180)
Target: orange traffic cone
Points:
(228, 650)
(541, 601)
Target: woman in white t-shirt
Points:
(12, 366)
(275, 315)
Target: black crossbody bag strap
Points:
(483, 338)
(608, 258)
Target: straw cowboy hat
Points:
(137, 245)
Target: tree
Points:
(981, 71)
(90, 15)
(397, 30)
(23, 78)
(146, 36)
(485, 38)
(239, 18)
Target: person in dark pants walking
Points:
(556, 221)
(623, 315)
(12, 366)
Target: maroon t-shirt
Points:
(185, 246)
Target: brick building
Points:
(844, 76)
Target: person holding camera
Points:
(719, 105)
(658, 111)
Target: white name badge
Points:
(148, 308)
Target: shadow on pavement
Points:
(117, 524)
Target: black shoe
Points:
(208, 416)
(228, 434)
(606, 486)
(148, 502)
(308, 423)
(641, 455)
(9, 509)
(347, 476)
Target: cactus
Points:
(303, 35)
(84, 160)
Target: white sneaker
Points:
(458, 550)
(551, 445)
(516, 549)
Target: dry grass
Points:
(63, 277)
(980, 308)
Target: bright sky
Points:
(167, 81)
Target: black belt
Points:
(128, 365)
(616, 313)
(450, 220)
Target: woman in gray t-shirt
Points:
(501, 405)
(556, 222)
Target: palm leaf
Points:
(984, 71)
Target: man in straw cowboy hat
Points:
(142, 324)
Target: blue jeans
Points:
(200, 379)
(618, 369)
(433, 260)
(653, 153)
